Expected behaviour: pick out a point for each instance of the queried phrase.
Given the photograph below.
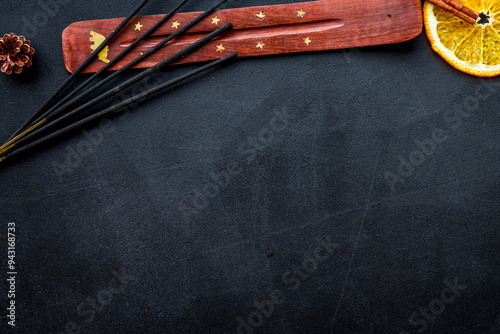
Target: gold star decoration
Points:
(220, 48)
(141, 53)
(175, 24)
(301, 13)
(307, 40)
(261, 15)
(138, 26)
(260, 45)
(215, 20)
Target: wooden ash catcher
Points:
(262, 30)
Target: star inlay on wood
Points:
(301, 13)
(215, 20)
(260, 45)
(138, 26)
(220, 48)
(175, 24)
(307, 40)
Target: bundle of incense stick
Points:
(60, 116)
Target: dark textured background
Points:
(356, 114)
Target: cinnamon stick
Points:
(458, 9)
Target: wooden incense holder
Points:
(263, 30)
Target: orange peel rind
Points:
(471, 48)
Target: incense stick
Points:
(94, 54)
(111, 63)
(145, 55)
(45, 117)
(147, 73)
(113, 109)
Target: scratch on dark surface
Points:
(356, 243)
(436, 186)
(267, 234)
(416, 96)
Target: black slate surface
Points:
(308, 150)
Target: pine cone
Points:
(15, 53)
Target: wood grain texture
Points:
(261, 30)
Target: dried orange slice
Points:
(471, 48)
